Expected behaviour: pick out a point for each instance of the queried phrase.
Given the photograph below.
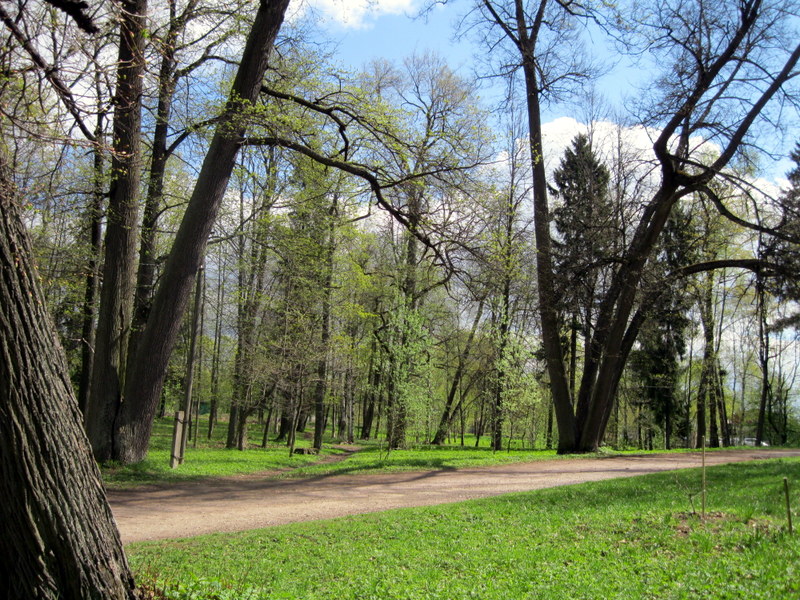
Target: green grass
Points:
(374, 459)
(211, 459)
(626, 538)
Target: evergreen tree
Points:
(583, 220)
(785, 250)
(662, 339)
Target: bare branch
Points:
(50, 73)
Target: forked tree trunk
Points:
(119, 267)
(145, 380)
(58, 538)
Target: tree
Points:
(59, 539)
(662, 341)
(253, 254)
(119, 264)
(724, 72)
(784, 249)
(181, 56)
(586, 238)
(144, 382)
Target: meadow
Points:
(642, 537)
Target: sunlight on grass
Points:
(626, 538)
(211, 459)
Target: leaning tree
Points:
(58, 538)
(724, 71)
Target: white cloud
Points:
(354, 14)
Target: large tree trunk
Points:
(551, 335)
(116, 297)
(145, 380)
(58, 538)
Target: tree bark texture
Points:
(119, 268)
(58, 538)
(145, 380)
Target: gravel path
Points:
(241, 503)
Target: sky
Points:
(362, 30)
(389, 29)
(392, 29)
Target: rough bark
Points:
(145, 380)
(116, 296)
(58, 538)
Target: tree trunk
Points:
(188, 385)
(58, 538)
(216, 355)
(551, 335)
(371, 393)
(327, 293)
(722, 408)
(113, 322)
(709, 381)
(145, 381)
(500, 373)
(95, 230)
(447, 414)
(146, 274)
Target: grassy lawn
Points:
(211, 459)
(208, 459)
(627, 538)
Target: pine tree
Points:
(583, 221)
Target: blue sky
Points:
(363, 30)
(395, 36)
(390, 29)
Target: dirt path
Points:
(236, 504)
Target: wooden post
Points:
(186, 430)
(703, 492)
(788, 504)
(177, 438)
